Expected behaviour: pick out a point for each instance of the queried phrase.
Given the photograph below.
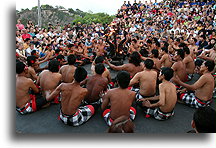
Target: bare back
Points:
(67, 72)
(170, 96)
(132, 69)
(189, 63)
(95, 85)
(72, 95)
(23, 85)
(147, 80)
(49, 80)
(121, 101)
(180, 70)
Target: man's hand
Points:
(47, 93)
(176, 79)
(146, 103)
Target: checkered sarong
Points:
(82, 115)
(29, 107)
(109, 120)
(191, 100)
(26, 109)
(158, 114)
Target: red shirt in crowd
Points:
(25, 36)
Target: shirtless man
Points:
(135, 65)
(146, 79)
(95, 85)
(179, 67)
(25, 102)
(50, 79)
(208, 55)
(72, 96)
(165, 60)
(157, 62)
(188, 61)
(67, 71)
(134, 46)
(203, 87)
(193, 47)
(31, 72)
(120, 99)
(164, 108)
(106, 73)
(100, 51)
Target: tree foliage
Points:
(89, 18)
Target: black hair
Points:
(53, 65)
(149, 63)
(186, 50)
(155, 53)
(205, 119)
(123, 79)
(165, 49)
(134, 40)
(71, 59)
(149, 41)
(135, 58)
(99, 59)
(198, 62)
(57, 51)
(99, 68)
(210, 65)
(180, 52)
(60, 57)
(167, 72)
(20, 66)
(195, 40)
(80, 74)
(33, 52)
(31, 60)
(182, 45)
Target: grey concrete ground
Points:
(46, 121)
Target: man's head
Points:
(99, 68)
(60, 58)
(31, 60)
(179, 55)
(80, 74)
(135, 58)
(207, 66)
(149, 63)
(21, 67)
(123, 79)
(204, 120)
(54, 66)
(166, 73)
(186, 50)
(155, 53)
(71, 59)
(99, 59)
